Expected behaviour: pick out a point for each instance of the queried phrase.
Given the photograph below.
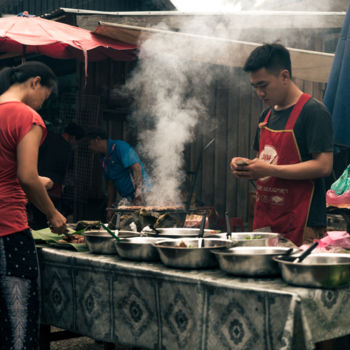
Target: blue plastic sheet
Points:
(337, 96)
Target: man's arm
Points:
(137, 176)
(27, 174)
(320, 166)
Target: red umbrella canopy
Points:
(58, 40)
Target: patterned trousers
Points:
(19, 292)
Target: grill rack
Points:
(175, 211)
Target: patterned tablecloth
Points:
(155, 307)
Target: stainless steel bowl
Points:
(250, 261)
(137, 248)
(321, 270)
(177, 232)
(100, 242)
(190, 256)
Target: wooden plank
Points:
(307, 65)
(232, 140)
(220, 165)
(243, 145)
(233, 20)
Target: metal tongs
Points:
(228, 226)
(201, 231)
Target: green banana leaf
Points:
(45, 236)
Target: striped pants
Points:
(19, 292)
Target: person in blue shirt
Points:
(122, 168)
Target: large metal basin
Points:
(321, 270)
(137, 248)
(190, 256)
(250, 261)
(100, 242)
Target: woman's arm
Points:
(27, 173)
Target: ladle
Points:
(228, 226)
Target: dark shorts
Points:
(19, 292)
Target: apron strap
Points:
(295, 112)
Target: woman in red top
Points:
(23, 90)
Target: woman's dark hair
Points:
(272, 57)
(25, 71)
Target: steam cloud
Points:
(170, 98)
(171, 90)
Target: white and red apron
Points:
(283, 205)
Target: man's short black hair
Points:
(273, 57)
(74, 130)
(93, 133)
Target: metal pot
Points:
(190, 256)
(137, 248)
(250, 261)
(320, 270)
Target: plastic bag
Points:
(341, 185)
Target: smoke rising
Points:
(170, 100)
(171, 84)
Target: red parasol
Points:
(25, 35)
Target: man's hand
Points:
(138, 199)
(239, 166)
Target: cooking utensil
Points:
(201, 231)
(137, 248)
(306, 253)
(250, 261)
(184, 253)
(156, 231)
(100, 242)
(228, 226)
(110, 231)
(320, 270)
(117, 225)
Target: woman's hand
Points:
(57, 223)
(47, 182)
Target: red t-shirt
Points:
(16, 120)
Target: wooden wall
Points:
(233, 109)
